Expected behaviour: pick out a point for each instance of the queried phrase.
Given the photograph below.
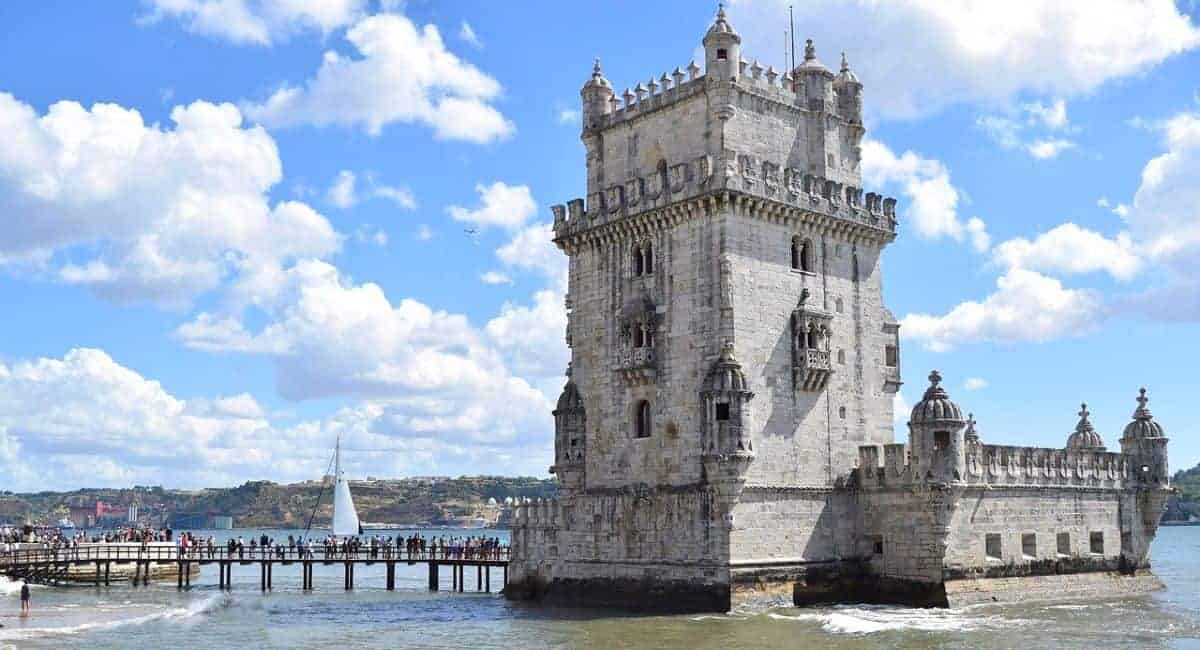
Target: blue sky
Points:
(233, 229)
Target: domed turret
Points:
(1084, 437)
(1143, 425)
(570, 437)
(1145, 440)
(846, 76)
(722, 49)
(935, 433)
(597, 96)
(936, 407)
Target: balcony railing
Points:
(815, 359)
(636, 358)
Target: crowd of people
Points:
(412, 547)
(372, 547)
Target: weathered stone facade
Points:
(733, 372)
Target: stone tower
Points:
(730, 348)
(732, 375)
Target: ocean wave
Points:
(875, 619)
(200, 607)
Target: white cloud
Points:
(532, 248)
(86, 420)
(495, 277)
(506, 206)
(933, 199)
(533, 337)
(468, 35)
(344, 192)
(977, 50)
(568, 116)
(366, 234)
(1071, 249)
(424, 233)
(1048, 148)
(975, 383)
(257, 22)
(1032, 128)
(1026, 306)
(401, 74)
(148, 212)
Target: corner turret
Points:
(814, 80)
(1084, 438)
(1145, 440)
(849, 93)
(936, 439)
(570, 441)
(597, 96)
(722, 49)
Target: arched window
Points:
(638, 336)
(796, 253)
(842, 412)
(806, 262)
(648, 261)
(839, 305)
(642, 420)
(841, 356)
(810, 341)
(637, 260)
(648, 337)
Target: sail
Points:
(345, 517)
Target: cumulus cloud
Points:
(1026, 306)
(933, 199)
(86, 420)
(1047, 148)
(256, 22)
(1071, 249)
(1033, 127)
(568, 116)
(147, 212)
(502, 205)
(424, 232)
(344, 192)
(978, 50)
(400, 74)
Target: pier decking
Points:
(61, 566)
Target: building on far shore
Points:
(726, 428)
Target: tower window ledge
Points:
(800, 272)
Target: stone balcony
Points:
(812, 369)
(891, 379)
(637, 365)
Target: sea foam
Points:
(875, 619)
(209, 604)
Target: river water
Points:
(160, 616)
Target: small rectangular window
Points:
(722, 411)
(891, 358)
(941, 440)
(1064, 543)
(1029, 545)
(992, 546)
(1126, 542)
(1097, 542)
(878, 546)
(722, 54)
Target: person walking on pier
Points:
(24, 598)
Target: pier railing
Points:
(120, 553)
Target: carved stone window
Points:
(1029, 545)
(643, 259)
(891, 356)
(642, 424)
(1096, 542)
(842, 412)
(722, 54)
(1064, 543)
(811, 330)
(991, 546)
(802, 254)
(723, 411)
(842, 357)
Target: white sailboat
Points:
(345, 517)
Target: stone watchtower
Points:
(730, 348)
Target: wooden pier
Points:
(62, 566)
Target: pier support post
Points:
(270, 575)
(487, 579)
(221, 576)
(179, 574)
(346, 576)
(106, 566)
(187, 574)
(479, 577)
(146, 575)
(433, 576)
(505, 575)
(391, 576)
(262, 570)
(97, 574)
(462, 577)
